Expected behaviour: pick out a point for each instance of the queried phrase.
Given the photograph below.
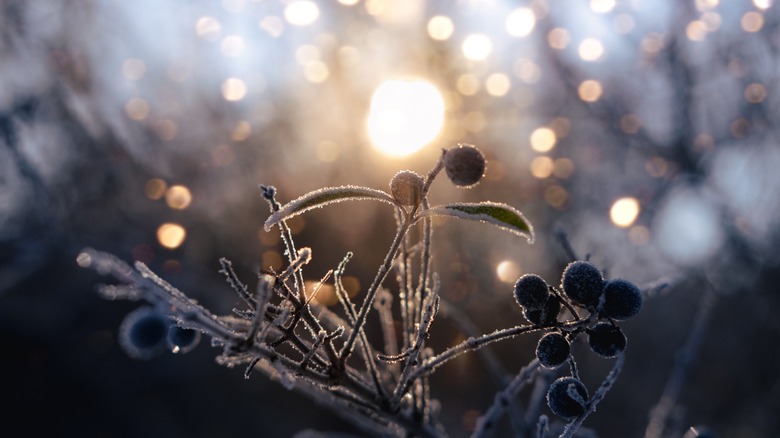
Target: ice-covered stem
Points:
(601, 392)
(360, 321)
(487, 422)
(471, 344)
(430, 308)
(659, 415)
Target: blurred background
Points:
(646, 130)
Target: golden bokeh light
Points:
(752, 21)
(520, 22)
(155, 188)
(527, 71)
(405, 115)
(137, 109)
(564, 168)
(241, 131)
(624, 212)
(498, 84)
(602, 6)
(440, 27)
(590, 49)
(133, 69)
(301, 12)
(477, 47)
(272, 25)
(349, 2)
(467, 84)
(208, 28)
(316, 72)
(696, 30)
(556, 196)
(755, 93)
(590, 90)
(652, 43)
(171, 235)
(508, 271)
(704, 5)
(558, 38)
(178, 197)
(232, 46)
(763, 4)
(712, 20)
(542, 167)
(543, 139)
(233, 89)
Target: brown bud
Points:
(465, 165)
(406, 187)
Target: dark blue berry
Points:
(143, 333)
(583, 283)
(561, 401)
(622, 299)
(531, 291)
(606, 340)
(552, 350)
(181, 340)
(547, 315)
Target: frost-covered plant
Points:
(284, 333)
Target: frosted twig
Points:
(503, 398)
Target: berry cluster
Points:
(606, 302)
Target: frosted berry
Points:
(143, 333)
(181, 340)
(531, 291)
(552, 350)
(464, 164)
(606, 340)
(583, 283)
(547, 315)
(406, 187)
(622, 299)
(561, 401)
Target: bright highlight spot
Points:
(498, 84)
(752, 21)
(477, 47)
(590, 90)
(602, 6)
(233, 89)
(178, 197)
(405, 116)
(520, 22)
(171, 235)
(763, 4)
(440, 27)
(624, 212)
(591, 49)
(508, 271)
(543, 139)
(301, 13)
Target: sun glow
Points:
(405, 115)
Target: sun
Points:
(405, 115)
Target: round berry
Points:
(583, 283)
(181, 340)
(547, 315)
(531, 291)
(143, 333)
(622, 299)
(552, 350)
(606, 340)
(567, 397)
(406, 187)
(464, 164)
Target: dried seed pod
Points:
(406, 187)
(465, 165)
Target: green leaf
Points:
(322, 197)
(500, 215)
